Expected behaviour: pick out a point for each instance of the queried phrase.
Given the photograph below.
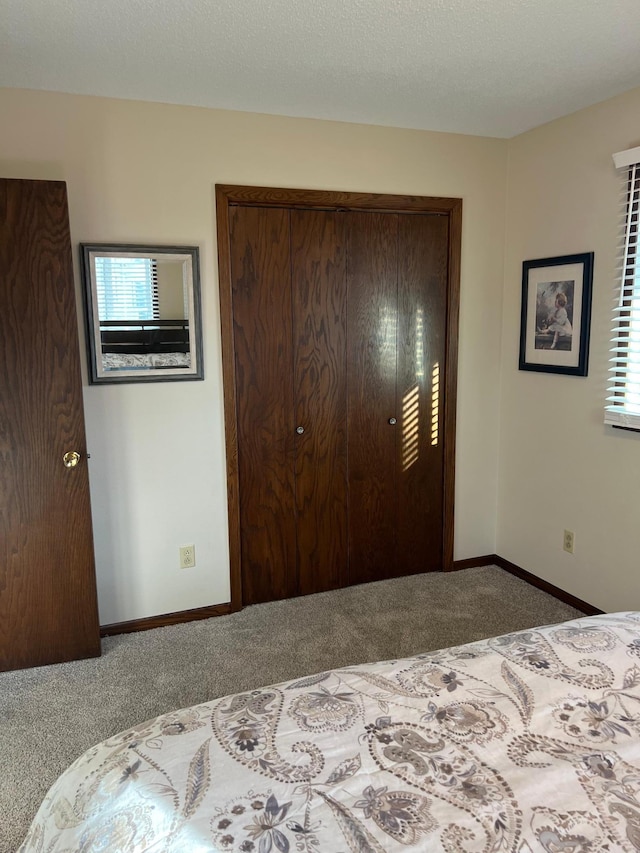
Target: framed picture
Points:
(556, 314)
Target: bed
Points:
(144, 344)
(128, 361)
(525, 742)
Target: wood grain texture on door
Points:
(262, 314)
(375, 510)
(48, 604)
(422, 312)
(318, 269)
(372, 332)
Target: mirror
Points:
(142, 307)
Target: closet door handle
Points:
(392, 421)
(300, 430)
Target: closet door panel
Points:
(319, 347)
(422, 295)
(371, 374)
(261, 293)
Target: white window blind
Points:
(127, 289)
(623, 400)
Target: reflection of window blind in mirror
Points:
(127, 289)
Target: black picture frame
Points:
(556, 314)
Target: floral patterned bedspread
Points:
(526, 742)
(120, 361)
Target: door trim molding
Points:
(458, 565)
(530, 578)
(163, 620)
(228, 195)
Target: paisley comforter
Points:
(526, 742)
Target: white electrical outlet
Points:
(187, 556)
(568, 541)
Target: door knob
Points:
(300, 430)
(71, 459)
(392, 421)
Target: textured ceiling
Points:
(488, 67)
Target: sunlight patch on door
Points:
(388, 340)
(420, 344)
(410, 427)
(435, 403)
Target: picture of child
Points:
(559, 320)
(556, 314)
(553, 315)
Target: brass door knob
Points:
(71, 459)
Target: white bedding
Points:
(126, 361)
(526, 742)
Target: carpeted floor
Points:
(50, 715)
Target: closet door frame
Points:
(228, 195)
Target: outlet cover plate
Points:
(187, 556)
(568, 541)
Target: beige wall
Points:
(141, 172)
(560, 467)
(171, 286)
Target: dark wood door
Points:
(339, 318)
(262, 321)
(288, 291)
(372, 318)
(48, 605)
(318, 271)
(397, 312)
(423, 252)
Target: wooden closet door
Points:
(262, 317)
(48, 603)
(318, 270)
(372, 338)
(340, 318)
(423, 247)
(397, 285)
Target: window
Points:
(127, 289)
(623, 401)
